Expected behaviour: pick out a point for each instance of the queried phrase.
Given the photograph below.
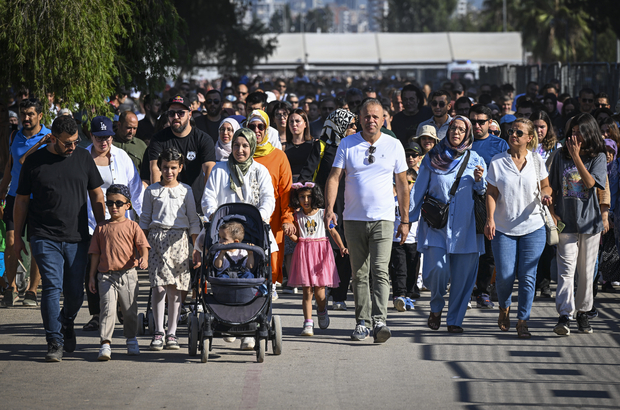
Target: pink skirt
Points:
(313, 264)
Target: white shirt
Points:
(368, 194)
(273, 136)
(124, 172)
(257, 190)
(170, 208)
(518, 210)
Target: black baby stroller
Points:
(233, 306)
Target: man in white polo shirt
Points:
(370, 159)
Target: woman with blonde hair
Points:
(517, 187)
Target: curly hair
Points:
(317, 197)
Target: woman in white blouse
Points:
(515, 221)
(240, 179)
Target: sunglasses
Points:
(412, 154)
(495, 132)
(294, 101)
(439, 104)
(257, 126)
(371, 157)
(210, 101)
(118, 204)
(411, 182)
(177, 113)
(587, 100)
(479, 122)
(70, 144)
(512, 131)
(602, 105)
(102, 138)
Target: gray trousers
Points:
(121, 286)
(370, 246)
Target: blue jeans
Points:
(62, 267)
(460, 270)
(517, 256)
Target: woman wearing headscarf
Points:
(451, 252)
(276, 162)
(226, 130)
(338, 125)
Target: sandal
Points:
(92, 325)
(504, 320)
(455, 329)
(434, 321)
(522, 331)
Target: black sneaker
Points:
(583, 323)
(30, 299)
(592, 313)
(545, 292)
(54, 352)
(563, 326)
(381, 332)
(608, 287)
(69, 337)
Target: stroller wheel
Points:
(260, 351)
(150, 320)
(141, 324)
(204, 354)
(276, 323)
(192, 332)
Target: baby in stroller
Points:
(233, 263)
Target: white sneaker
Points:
(469, 305)
(105, 352)
(132, 347)
(229, 339)
(323, 319)
(308, 329)
(247, 343)
(340, 306)
(274, 294)
(399, 304)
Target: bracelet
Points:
(405, 223)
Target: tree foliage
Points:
(218, 36)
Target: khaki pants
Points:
(121, 286)
(370, 246)
(576, 252)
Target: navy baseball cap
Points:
(414, 147)
(179, 99)
(101, 127)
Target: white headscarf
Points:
(222, 151)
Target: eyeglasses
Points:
(513, 131)
(69, 144)
(210, 101)
(371, 157)
(439, 104)
(102, 138)
(587, 100)
(179, 113)
(479, 122)
(495, 132)
(410, 182)
(118, 204)
(460, 130)
(255, 126)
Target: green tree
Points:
(218, 36)
(492, 15)
(406, 16)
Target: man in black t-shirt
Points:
(405, 123)
(194, 144)
(210, 123)
(146, 126)
(60, 179)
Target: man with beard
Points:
(125, 138)
(146, 126)
(210, 123)
(54, 185)
(31, 133)
(405, 123)
(194, 144)
(440, 103)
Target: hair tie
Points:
(299, 185)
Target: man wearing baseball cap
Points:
(195, 145)
(427, 138)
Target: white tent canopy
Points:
(392, 50)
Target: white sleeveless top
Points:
(311, 227)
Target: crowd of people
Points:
(387, 188)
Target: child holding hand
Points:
(113, 263)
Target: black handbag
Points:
(435, 212)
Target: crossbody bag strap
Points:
(455, 185)
(545, 214)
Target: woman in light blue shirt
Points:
(450, 253)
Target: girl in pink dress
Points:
(313, 267)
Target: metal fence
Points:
(601, 77)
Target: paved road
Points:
(417, 368)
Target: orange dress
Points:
(282, 178)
